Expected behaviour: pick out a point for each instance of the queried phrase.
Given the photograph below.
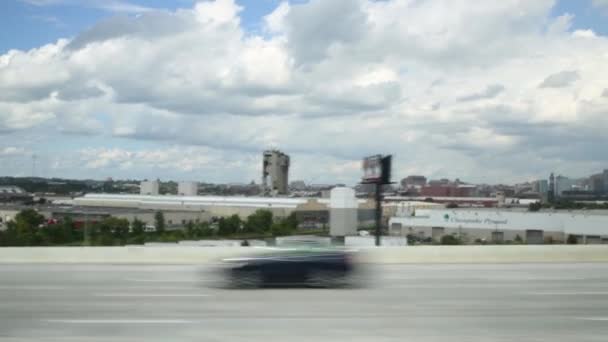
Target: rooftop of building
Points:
(11, 189)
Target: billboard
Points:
(377, 169)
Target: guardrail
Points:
(386, 255)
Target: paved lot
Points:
(550, 302)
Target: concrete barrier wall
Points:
(386, 255)
(486, 254)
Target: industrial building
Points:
(499, 225)
(14, 194)
(413, 181)
(311, 212)
(343, 212)
(81, 215)
(275, 173)
(149, 187)
(187, 188)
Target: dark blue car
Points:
(299, 267)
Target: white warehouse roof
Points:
(111, 200)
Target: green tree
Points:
(61, 232)
(281, 228)
(202, 230)
(292, 221)
(111, 230)
(259, 222)
(229, 225)
(138, 227)
(68, 231)
(534, 206)
(190, 229)
(285, 226)
(159, 222)
(449, 240)
(572, 240)
(138, 232)
(25, 230)
(518, 239)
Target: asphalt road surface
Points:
(550, 302)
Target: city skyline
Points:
(499, 93)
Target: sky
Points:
(485, 91)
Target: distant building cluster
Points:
(594, 187)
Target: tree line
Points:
(567, 204)
(29, 228)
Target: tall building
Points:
(541, 186)
(551, 193)
(149, 187)
(275, 173)
(563, 184)
(187, 188)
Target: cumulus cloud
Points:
(11, 151)
(600, 3)
(560, 80)
(445, 86)
(490, 92)
(106, 5)
(584, 34)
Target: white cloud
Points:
(560, 79)
(107, 5)
(584, 34)
(275, 21)
(600, 3)
(490, 92)
(12, 151)
(443, 85)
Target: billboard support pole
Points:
(377, 171)
(378, 212)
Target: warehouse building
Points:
(149, 187)
(187, 188)
(497, 225)
(311, 212)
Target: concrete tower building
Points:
(275, 173)
(343, 212)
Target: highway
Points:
(513, 302)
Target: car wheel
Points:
(247, 279)
(325, 278)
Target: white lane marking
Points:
(141, 280)
(86, 287)
(119, 321)
(148, 295)
(591, 318)
(34, 287)
(567, 293)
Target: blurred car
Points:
(297, 267)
